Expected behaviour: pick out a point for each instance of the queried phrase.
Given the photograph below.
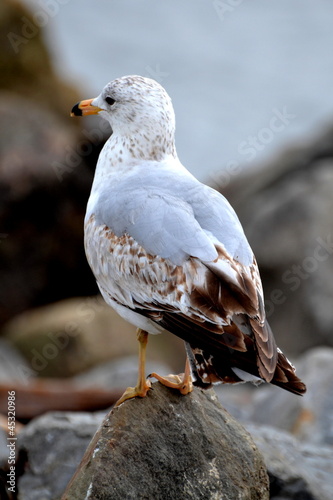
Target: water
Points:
(231, 67)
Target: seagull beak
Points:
(84, 108)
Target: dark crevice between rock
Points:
(294, 490)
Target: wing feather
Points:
(198, 301)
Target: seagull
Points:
(169, 252)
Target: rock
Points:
(168, 446)
(308, 417)
(96, 389)
(25, 62)
(315, 424)
(45, 178)
(42, 205)
(285, 207)
(118, 373)
(71, 336)
(50, 449)
(3, 444)
(13, 366)
(297, 470)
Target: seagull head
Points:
(133, 105)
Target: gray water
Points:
(247, 77)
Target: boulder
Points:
(13, 366)
(285, 206)
(165, 434)
(297, 469)
(71, 336)
(118, 373)
(168, 446)
(50, 448)
(45, 178)
(25, 62)
(308, 417)
(44, 186)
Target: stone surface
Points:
(315, 424)
(42, 208)
(25, 62)
(50, 448)
(44, 176)
(13, 366)
(309, 418)
(3, 444)
(297, 470)
(118, 373)
(71, 336)
(285, 206)
(168, 446)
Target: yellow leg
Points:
(181, 382)
(143, 385)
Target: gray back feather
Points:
(172, 215)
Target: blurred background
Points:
(251, 84)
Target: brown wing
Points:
(224, 316)
(216, 308)
(244, 340)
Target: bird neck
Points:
(121, 153)
(139, 146)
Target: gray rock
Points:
(57, 339)
(50, 449)
(118, 373)
(13, 366)
(3, 447)
(315, 422)
(285, 207)
(41, 206)
(310, 418)
(297, 470)
(27, 68)
(170, 447)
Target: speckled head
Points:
(132, 104)
(135, 106)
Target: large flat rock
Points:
(168, 446)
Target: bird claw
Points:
(180, 382)
(133, 392)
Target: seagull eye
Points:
(109, 100)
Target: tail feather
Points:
(214, 353)
(285, 376)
